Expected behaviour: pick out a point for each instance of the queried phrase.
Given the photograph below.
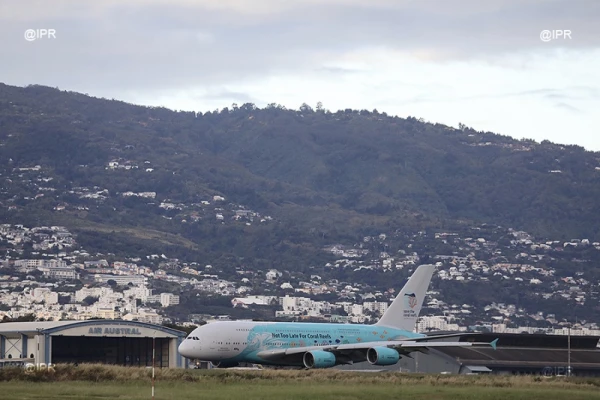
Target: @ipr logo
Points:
(36, 34)
(547, 35)
(556, 371)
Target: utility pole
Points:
(569, 351)
(37, 352)
(417, 362)
(153, 357)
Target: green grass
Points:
(100, 382)
(279, 390)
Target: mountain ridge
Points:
(324, 176)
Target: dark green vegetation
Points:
(132, 383)
(324, 177)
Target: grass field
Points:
(99, 382)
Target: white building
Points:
(376, 306)
(168, 299)
(45, 295)
(145, 315)
(59, 272)
(138, 292)
(122, 280)
(93, 292)
(428, 323)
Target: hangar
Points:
(516, 354)
(103, 341)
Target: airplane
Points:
(226, 344)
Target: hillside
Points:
(288, 182)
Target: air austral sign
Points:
(114, 331)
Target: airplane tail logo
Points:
(410, 300)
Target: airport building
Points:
(128, 343)
(516, 354)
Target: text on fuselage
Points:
(301, 336)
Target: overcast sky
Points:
(479, 62)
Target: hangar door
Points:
(128, 351)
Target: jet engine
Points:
(382, 356)
(318, 359)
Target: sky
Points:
(523, 68)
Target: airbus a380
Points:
(316, 345)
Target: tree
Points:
(24, 318)
(305, 108)
(186, 329)
(89, 300)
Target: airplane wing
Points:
(403, 347)
(409, 346)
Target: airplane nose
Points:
(185, 349)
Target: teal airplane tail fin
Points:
(494, 344)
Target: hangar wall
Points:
(105, 341)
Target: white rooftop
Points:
(6, 327)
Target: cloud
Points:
(421, 56)
(160, 43)
(568, 107)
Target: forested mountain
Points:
(323, 177)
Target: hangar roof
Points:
(53, 326)
(529, 340)
(24, 327)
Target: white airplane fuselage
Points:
(231, 342)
